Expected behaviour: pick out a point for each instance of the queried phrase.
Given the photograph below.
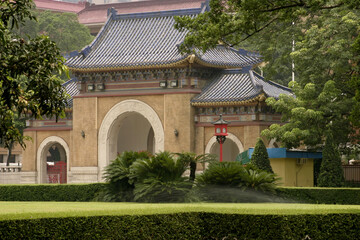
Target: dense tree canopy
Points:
(62, 28)
(28, 67)
(325, 54)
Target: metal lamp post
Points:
(220, 132)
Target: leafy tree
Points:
(326, 55)
(62, 28)
(310, 114)
(331, 172)
(260, 157)
(20, 125)
(28, 81)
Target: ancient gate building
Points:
(133, 90)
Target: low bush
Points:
(232, 182)
(51, 192)
(346, 196)
(187, 226)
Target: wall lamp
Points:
(176, 132)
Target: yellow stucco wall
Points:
(84, 149)
(293, 174)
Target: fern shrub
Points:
(160, 179)
(117, 175)
(233, 182)
(260, 157)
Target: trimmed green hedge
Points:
(51, 192)
(347, 196)
(187, 226)
(90, 192)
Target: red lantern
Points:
(220, 132)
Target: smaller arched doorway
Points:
(52, 161)
(231, 147)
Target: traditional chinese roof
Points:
(233, 87)
(149, 40)
(71, 89)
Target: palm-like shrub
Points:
(222, 173)
(260, 157)
(117, 175)
(232, 182)
(259, 180)
(192, 160)
(159, 179)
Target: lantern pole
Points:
(221, 133)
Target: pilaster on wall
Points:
(251, 133)
(84, 132)
(179, 116)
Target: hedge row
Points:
(187, 226)
(346, 196)
(51, 192)
(90, 192)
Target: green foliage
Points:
(346, 196)
(222, 173)
(260, 157)
(192, 159)
(203, 225)
(159, 179)
(28, 84)
(117, 175)
(325, 55)
(62, 28)
(232, 182)
(51, 192)
(331, 171)
(259, 181)
(310, 115)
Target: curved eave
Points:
(220, 65)
(258, 98)
(182, 62)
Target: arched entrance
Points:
(129, 125)
(134, 133)
(231, 147)
(52, 161)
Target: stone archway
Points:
(111, 125)
(43, 153)
(231, 142)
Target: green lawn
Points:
(29, 210)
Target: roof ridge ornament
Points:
(112, 11)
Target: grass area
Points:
(31, 210)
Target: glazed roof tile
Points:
(148, 40)
(234, 86)
(71, 89)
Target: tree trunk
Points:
(9, 154)
(192, 171)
